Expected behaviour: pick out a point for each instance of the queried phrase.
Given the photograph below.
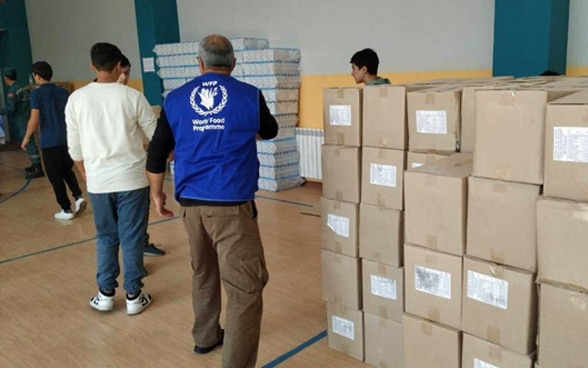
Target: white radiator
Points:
(309, 143)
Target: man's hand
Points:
(159, 204)
(24, 142)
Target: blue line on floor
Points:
(286, 201)
(11, 195)
(296, 350)
(69, 244)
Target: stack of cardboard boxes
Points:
(437, 266)
(562, 224)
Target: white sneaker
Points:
(102, 302)
(62, 215)
(80, 205)
(139, 304)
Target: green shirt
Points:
(18, 107)
(378, 81)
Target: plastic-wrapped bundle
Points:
(267, 68)
(280, 94)
(174, 83)
(275, 185)
(273, 81)
(177, 60)
(276, 145)
(284, 107)
(287, 120)
(279, 158)
(249, 43)
(176, 48)
(279, 171)
(286, 132)
(270, 54)
(179, 72)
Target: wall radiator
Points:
(309, 143)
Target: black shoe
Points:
(30, 169)
(34, 174)
(199, 350)
(152, 251)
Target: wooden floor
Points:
(47, 276)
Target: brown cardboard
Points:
(479, 353)
(418, 159)
(341, 173)
(381, 234)
(384, 117)
(502, 222)
(468, 116)
(340, 225)
(510, 129)
(345, 330)
(382, 177)
(436, 204)
(563, 328)
(342, 116)
(562, 242)
(500, 305)
(432, 287)
(383, 290)
(566, 148)
(428, 344)
(383, 342)
(341, 279)
(434, 119)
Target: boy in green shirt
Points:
(364, 68)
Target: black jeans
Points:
(58, 166)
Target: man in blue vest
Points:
(211, 123)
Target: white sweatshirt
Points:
(105, 127)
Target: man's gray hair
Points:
(216, 51)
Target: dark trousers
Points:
(58, 166)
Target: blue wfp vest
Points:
(215, 119)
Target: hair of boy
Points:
(10, 73)
(105, 56)
(43, 70)
(367, 58)
(125, 62)
(216, 51)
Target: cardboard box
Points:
(384, 347)
(566, 148)
(418, 159)
(499, 305)
(433, 285)
(342, 116)
(341, 173)
(436, 204)
(510, 129)
(383, 290)
(345, 330)
(479, 353)
(468, 116)
(381, 234)
(502, 222)
(340, 225)
(434, 119)
(384, 117)
(428, 344)
(341, 279)
(562, 242)
(563, 328)
(382, 177)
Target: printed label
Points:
(384, 175)
(416, 164)
(482, 364)
(340, 115)
(431, 122)
(432, 282)
(570, 144)
(343, 327)
(488, 290)
(339, 225)
(381, 286)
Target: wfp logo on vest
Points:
(205, 99)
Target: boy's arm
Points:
(32, 126)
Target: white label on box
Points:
(431, 122)
(381, 286)
(339, 225)
(343, 327)
(570, 144)
(340, 115)
(488, 290)
(416, 164)
(383, 175)
(482, 364)
(432, 282)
